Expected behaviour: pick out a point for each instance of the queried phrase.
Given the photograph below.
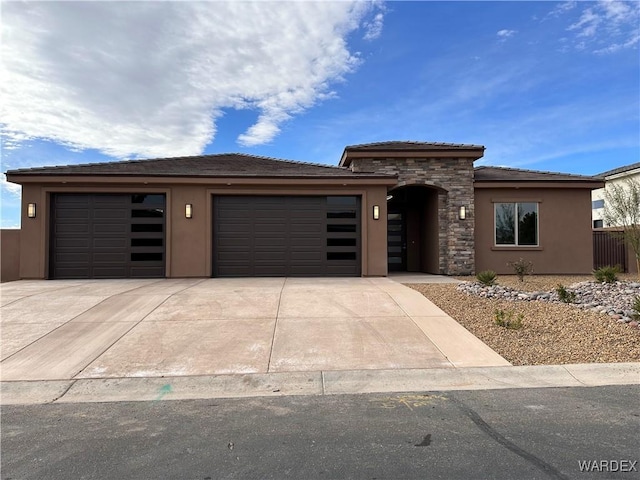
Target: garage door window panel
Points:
(147, 199)
(147, 227)
(341, 242)
(341, 228)
(147, 242)
(147, 213)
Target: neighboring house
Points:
(390, 206)
(615, 176)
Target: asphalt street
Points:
(545, 433)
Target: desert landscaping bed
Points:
(551, 333)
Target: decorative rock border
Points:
(615, 299)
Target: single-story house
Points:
(390, 206)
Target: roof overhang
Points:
(586, 184)
(471, 153)
(202, 180)
(625, 174)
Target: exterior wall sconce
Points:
(31, 210)
(462, 213)
(188, 210)
(376, 212)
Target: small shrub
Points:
(521, 267)
(636, 308)
(565, 295)
(506, 320)
(487, 277)
(607, 274)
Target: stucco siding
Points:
(189, 241)
(564, 231)
(10, 255)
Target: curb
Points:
(97, 390)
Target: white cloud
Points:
(587, 25)
(562, 8)
(506, 33)
(151, 78)
(11, 188)
(614, 47)
(607, 26)
(373, 29)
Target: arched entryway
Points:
(413, 229)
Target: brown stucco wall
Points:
(187, 238)
(9, 255)
(32, 239)
(374, 234)
(189, 241)
(565, 236)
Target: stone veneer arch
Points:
(418, 183)
(446, 167)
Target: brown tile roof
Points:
(409, 146)
(219, 165)
(503, 174)
(618, 170)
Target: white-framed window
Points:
(516, 224)
(596, 204)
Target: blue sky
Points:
(543, 85)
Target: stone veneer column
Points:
(454, 179)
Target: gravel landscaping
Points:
(597, 328)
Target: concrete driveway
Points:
(61, 330)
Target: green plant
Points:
(606, 274)
(565, 295)
(521, 267)
(487, 277)
(636, 307)
(505, 319)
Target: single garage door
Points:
(286, 236)
(107, 236)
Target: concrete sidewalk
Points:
(317, 383)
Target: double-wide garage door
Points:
(286, 236)
(107, 236)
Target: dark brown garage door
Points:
(107, 236)
(286, 236)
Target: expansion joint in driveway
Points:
(121, 336)
(275, 325)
